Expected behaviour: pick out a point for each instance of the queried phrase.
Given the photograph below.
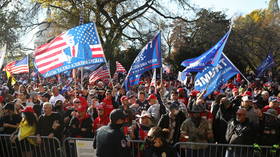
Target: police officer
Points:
(110, 140)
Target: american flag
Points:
(79, 42)
(18, 67)
(120, 68)
(101, 73)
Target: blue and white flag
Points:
(210, 57)
(266, 64)
(149, 58)
(212, 77)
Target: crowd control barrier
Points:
(29, 147)
(83, 147)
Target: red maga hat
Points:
(28, 109)
(152, 96)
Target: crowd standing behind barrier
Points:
(45, 117)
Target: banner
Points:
(84, 148)
(212, 77)
(149, 58)
(79, 46)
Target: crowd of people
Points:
(240, 112)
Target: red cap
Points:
(28, 109)
(152, 96)
(179, 90)
(194, 93)
(216, 93)
(235, 90)
(247, 93)
(123, 98)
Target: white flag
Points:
(182, 77)
(154, 79)
(2, 55)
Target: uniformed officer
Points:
(110, 140)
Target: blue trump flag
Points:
(77, 47)
(149, 58)
(210, 57)
(212, 77)
(267, 63)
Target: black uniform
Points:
(111, 142)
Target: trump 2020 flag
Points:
(149, 58)
(79, 46)
(267, 63)
(210, 57)
(212, 77)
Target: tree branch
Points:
(170, 17)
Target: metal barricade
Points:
(189, 149)
(70, 146)
(29, 147)
(137, 147)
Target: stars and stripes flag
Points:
(18, 67)
(120, 68)
(79, 46)
(101, 73)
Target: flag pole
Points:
(237, 69)
(80, 23)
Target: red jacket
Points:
(99, 122)
(108, 107)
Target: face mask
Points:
(117, 126)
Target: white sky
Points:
(230, 7)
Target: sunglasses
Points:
(240, 114)
(77, 102)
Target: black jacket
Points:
(165, 150)
(240, 133)
(179, 119)
(221, 119)
(45, 124)
(75, 128)
(110, 142)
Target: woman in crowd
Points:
(27, 127)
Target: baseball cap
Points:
(117, 114)
(174, 106)
(28, 109)
(123, 98)
(152, 96)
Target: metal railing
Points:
(29, 147)
(75, 147)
